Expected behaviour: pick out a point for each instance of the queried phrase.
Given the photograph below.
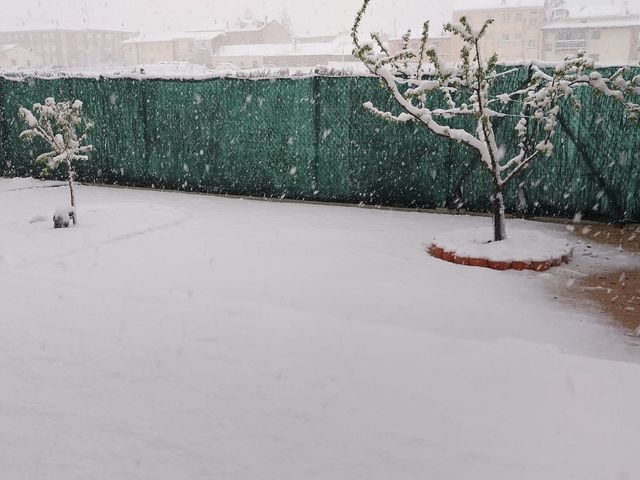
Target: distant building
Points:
(200, 47)
(68, 47)
(256, 33)
(190, 47)
(515, 34)
(442, 44)
(250, 45)
(545, 30)
(608, 34)
(17, 56)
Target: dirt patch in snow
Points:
(627, 238)
(616, 292)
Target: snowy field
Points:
(175, 336)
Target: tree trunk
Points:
(499, 229)
(72, 191)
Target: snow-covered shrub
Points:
(63, 216)
(62, 126)
(467, 90)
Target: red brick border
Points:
(442, 254)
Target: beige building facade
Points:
(515, 34)
(166, 48)
(15, 56)
(268, 32)
(607, 40)
(443, 45)
(68, 47)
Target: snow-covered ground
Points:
(176, 336)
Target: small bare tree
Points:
(62, 126)
(468, 90)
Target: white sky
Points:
(308, 16)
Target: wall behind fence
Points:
(310, 138)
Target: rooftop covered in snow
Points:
(588, 11)
(461, 5)
(66, 27)
(172, 36)
(620, 21)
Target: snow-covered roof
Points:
(460, 5)
(575, 8)
(245, 29)
(622, 21)
(436, 38)
(170, 37)
(82, 27)
(253, 26)
(204, 35)
(206, 31)
(152, 38)
(339, 47)
(189, 35)
(587, 11)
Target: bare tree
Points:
(468, 90)
(58, 124)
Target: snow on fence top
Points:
(181, 71)
(188, 72)
(459, 5)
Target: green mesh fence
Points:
(310, 138)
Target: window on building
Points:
(595, 57)
(531, 44)
(570, 39)
(559, 13)
(505, 37)
(518, 36)
(595, 35)
(518, 17)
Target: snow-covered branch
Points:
(57, 124)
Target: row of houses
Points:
(547, 30)
(266, 44)
(255, 44)
(523, 29)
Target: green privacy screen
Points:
(310, 138)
